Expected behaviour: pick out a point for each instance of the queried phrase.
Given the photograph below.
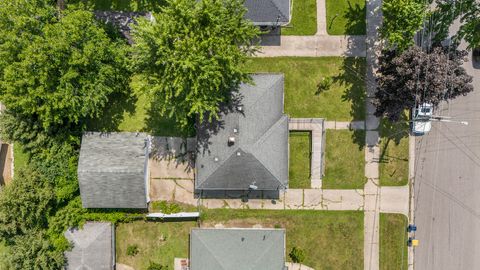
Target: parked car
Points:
(422, 119)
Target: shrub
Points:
(324, 85)
(132, 250)
(156, 266)
(297, 255)
(166, 207)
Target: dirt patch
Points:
(243, 223)
(6, 163)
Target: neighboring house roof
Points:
(121, 19)
(112, 170)
(93, 247)
(268, 12)
(237, 249)
(259, 155)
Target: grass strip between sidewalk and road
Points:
(393, 241)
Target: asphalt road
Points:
(447, 187)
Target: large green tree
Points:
(414, 76)
(65, 73)
(189, 57)
(402, 19)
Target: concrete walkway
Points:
(372, 190)
(320, 44)
(316, 127)
(344, 125)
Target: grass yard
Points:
(394, 153)
(393, 242)
(158, 242)
(346, 17)
(344, 101)
(330, 239)
(299, 164)
(20, 158)
(344, 159)
(304, 19)
(134, 114)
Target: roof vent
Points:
(215, 159)
(240, 108)
(231, 140)
(235, 130)
(239, 153)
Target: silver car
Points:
(421, 119)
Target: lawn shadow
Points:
(352, 78)
(356, 19)
(392, 132)
(113, 113)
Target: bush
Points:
(132, 250)
(166, 207)
(297, 255)
(324, 85)
(156, 266)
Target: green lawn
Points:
(330, 239)
(299, 164)
(20, 158)
(134, 114)
(344, 101)
(344, 159)
(346, 17)
(159, 242)
(304, 19)
(393, 242)
(393, 153)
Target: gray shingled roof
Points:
(268, 12)
(237, 249)
(112, 169)
(259, 155)
(93, 247)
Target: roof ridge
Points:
(278, 9)
(263, 253)
(211, 252)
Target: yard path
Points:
(320, 44)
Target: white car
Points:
(421, 119)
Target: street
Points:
(447, 186)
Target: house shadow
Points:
(270, 37)
(243, 195)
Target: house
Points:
(249, 148)
(93, 247)
(268, 12)
(237, 249)
(113, 170)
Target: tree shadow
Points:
(113, 113)
(352, 78)
(356, 17)
(392, 133)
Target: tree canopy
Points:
(66, 73)
(401, 21)
(415, 76)
(189, 57)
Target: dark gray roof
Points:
(112, 170)
(93, 247)
(237, 249)
(268, 12)
(259, 155)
